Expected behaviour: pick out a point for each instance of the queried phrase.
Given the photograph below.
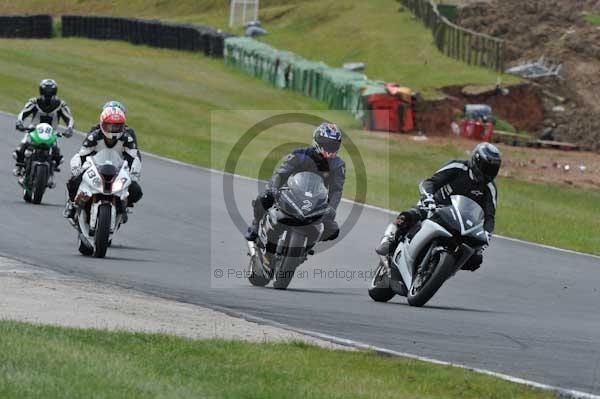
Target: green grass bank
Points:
(53, 362)
(395, 46)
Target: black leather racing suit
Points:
(332, 170)
(454, 178)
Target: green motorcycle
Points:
(38, 173)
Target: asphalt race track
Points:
(530, 312)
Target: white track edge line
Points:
(372, 207)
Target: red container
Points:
(476, 130)
(389, 114)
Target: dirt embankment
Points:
(556, 29)
(521, 106)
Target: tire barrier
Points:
(185, 37)
(339, 88)
(31, 26)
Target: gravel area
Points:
(36, 295)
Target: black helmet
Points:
(48, 88)
(327, 139)
(485, 162)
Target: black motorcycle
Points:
(288, 231)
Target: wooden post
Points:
(499, 66)
(470, 49)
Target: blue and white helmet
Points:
(327, 139)
(115, 104)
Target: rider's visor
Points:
(113, 127)
(490, 170)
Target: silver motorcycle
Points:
(431, 252)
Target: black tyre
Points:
(443, 264)
(26, 196)
(380, 290)
(293, 257)
(84, 249)
(40, 182)
(102, 230)
(256, 277)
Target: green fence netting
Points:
(339, 88)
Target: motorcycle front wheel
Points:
(40, 182)
(102, 230)
(421, 292)
(292, 258)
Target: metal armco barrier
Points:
(32, 26)
(147, 32)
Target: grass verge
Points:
(53, 362)
(593, 19)
(170, 96)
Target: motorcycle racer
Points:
(473, 178)
(320, 158)
(45, 108)
(111, 134)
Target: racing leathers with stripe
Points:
(43, 110)
(333, 172)
(454, 178)
(95, 142)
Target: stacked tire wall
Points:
(33, 26)
(147, 32)
(340, 89)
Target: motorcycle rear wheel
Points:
(380, 290)
(40, 182)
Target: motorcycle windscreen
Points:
(304, 196)
(108, 157)
(470, 214)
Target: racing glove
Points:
(428, 202)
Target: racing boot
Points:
(51, 183)
(69, 212)
(389, 241)
(252, 232)
(19, 169)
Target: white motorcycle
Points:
(101, 202)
